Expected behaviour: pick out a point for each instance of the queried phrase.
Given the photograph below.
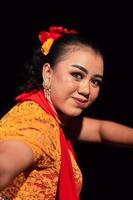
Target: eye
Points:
(77, 75)
(96, 82)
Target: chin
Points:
(74, 113)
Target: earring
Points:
(46, 86)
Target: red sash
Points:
(67, 187)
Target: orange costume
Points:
(28, 122)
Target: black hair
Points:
(32, 74)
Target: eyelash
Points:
(76, 75)
(95, 82)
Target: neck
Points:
(65, 120)
(62, 119)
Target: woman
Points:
(36, 156)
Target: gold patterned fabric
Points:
(28, 122)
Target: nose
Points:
(84, 88)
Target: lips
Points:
(80, 102)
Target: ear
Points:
(47, 70)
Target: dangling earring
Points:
(46, 85)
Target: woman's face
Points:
(75, 81)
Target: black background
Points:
(107, 169)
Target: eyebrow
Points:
(86, 71)
(98, 76)
(81, 68)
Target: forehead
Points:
(84, 56)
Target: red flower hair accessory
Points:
(47, 38)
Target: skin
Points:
(75, 82)
(71, 85)
(13, 160)
(73, 89)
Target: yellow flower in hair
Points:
(47, 37)
(46, 46)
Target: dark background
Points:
(107, 169)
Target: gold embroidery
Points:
(28, 122)
(3, 197)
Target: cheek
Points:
(62, 84)
(61, 90)
(93, 96)
(95, 93)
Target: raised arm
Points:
(15, 156)
(94, 130)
